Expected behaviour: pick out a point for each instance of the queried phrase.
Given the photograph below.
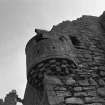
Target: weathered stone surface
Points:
(94, 99)
(88, 88)
(70, 81)
(83, 82)
(102, 73)
(73, 53)
(101, 82)
(80, 94)
(95, 104)
(74, 100)
(1, 101)
(78, 89)
(92, 82)
(92, 93)
(101, 91)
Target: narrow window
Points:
(74, 40)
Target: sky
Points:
(18, 20)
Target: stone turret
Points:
(70, 57)
(46, 45)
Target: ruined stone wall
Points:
(66, 65)
(11, 98)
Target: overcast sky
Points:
(18, 20)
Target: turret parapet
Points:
(47, 45)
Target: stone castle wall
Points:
(80, 43)
(66, 65)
